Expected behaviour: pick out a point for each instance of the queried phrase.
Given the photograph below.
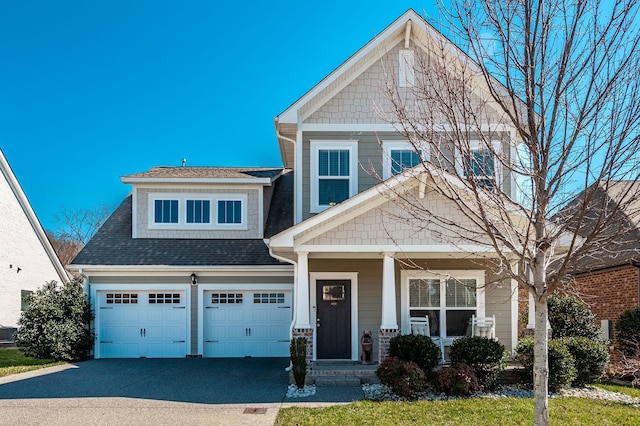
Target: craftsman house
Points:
(230, 262)
(27, 260)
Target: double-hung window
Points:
(198, 211)
(449, 299)
(334, 168)
(166, 211)
(480, 162)
(231, 211)
(400, 155)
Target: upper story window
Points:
(229, 211)
(406, 74)
(400, 155)
(482, 164)
(166, 211)
(198, 211)
(334, 171)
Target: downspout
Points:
(295, 305)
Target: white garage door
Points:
(135, 324)
(247, 323)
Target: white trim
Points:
(514, 315)
(182, 199)
(168, 270)
(317, 145)
(462, 248)
(400, 145)
(406, 70)
(496, 150)
(353, 277)
(260, 211)
(134, 213)
(297, 193)
(245, 181)
(406, 275)
(95, 304)
(234, 287)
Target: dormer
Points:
(201, 202)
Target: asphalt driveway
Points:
(152, 391)
(204, 381)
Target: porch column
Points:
(389, 318)
(302, 291)
(531, 315)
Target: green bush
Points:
(628, 332)
(571, 317)
(405, 378)
(590, 358)
(298, 351)
(55, 323)
(562, 369)
(416, 348)
(457, 381)
(487, 357)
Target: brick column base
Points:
(383, 342)
(308, 334)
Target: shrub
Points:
(55, 323)
(298, 352)
(590, 358)
(487, 357)
(562, 369)
(416, 348)
(404, 378)
(457, 381)
(571, 317)
(628, 331)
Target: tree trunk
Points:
(541, 364)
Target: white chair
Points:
(420, 325)
(483, 326)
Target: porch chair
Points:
(483, 326)
(420, 325)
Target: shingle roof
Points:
(113, 245)
(207, 173)
(281, 211)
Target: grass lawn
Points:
(474, 411)
(12, 361)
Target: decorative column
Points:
(389, 326)
(302, 326)
(531, 319)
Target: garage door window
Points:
(268, 297)
(122, 298)
(226, 298)
(163, 298)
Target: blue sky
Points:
(93, 90)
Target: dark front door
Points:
(333, 319)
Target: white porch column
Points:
(389, 319)
(302, 291)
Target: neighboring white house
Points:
(27, 260)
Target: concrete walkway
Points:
(244, 391)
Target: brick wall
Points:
(383, 342)
(308, 334)
(609, 293)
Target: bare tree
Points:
(75, 229)
(549, 108)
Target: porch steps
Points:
(338, 381)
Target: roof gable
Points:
(7, 173)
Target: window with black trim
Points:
(122, 298)
(226, 298)
(164, 298)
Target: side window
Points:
(25, 297)
(166, 211)
(334, 168)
